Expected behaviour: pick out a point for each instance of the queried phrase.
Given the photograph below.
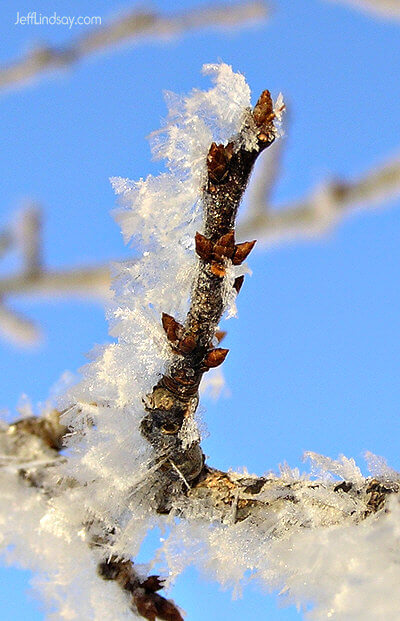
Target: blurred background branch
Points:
(308, 217)
(129, 27)
(384, 8)
(34, 278)
(313, 215)
(322, 210)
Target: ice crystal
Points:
(303, 542)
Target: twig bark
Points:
(175, 398)
(255, 497)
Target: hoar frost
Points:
(337, 568)
(109, 460)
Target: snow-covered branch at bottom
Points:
(290, 531)
(29, 454)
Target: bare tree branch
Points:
(129, 27)
(91, 281)
(273, 505)
(34, 278)
(174, 399)
(30, 448)
(179, 481)
(383, 8)
(323, 209)
(17, 328)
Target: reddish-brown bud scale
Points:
(152, 606)
(153, 583)
(145, 607)
(187, 344)
(215, 357)
(219, 335)
(242, 251)
(263, 112)
(225, 246)
(204, 247)
(218, 159)
(218, 269)
(171, 327)
(237, 283)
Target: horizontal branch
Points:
(35, 279)
(129, 27)
(284, 504)
(234, 497)
(82, 281)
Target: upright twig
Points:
(175, 398)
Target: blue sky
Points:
(314, 354)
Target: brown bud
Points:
(263, 112)
(171, 327)
(218, 159)
(181, 377)
(152, 606)
(204, 247)
(187, 344)
(237, 283)
(225, 245)
(153, 583)
(242, 251)
(170, 429)
(219, 335)
(215, 357)
(218, 269)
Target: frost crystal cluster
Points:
(330, 542)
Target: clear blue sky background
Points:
(315, 353)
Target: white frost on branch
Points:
(304, 544)
(98, 499)
(108, 459)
